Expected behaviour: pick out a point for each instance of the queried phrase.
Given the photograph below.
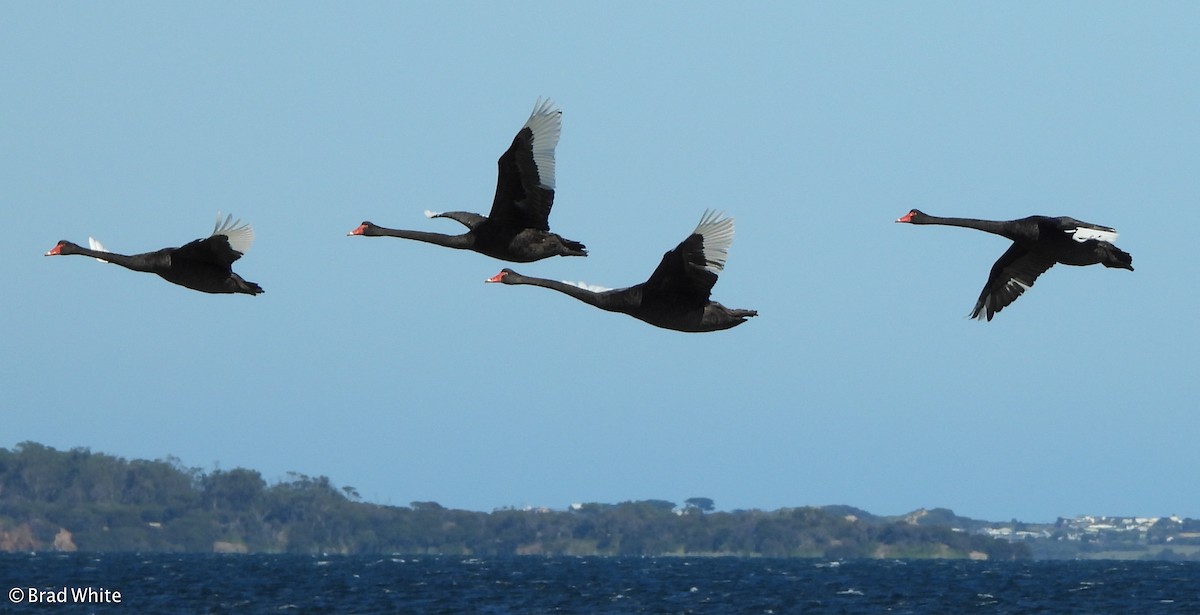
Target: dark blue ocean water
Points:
(370, 584)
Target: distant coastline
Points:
(78, 500)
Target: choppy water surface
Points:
(370, 584)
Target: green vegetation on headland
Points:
(80, 500)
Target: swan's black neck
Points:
(148, 262)
(463, 242)
(601, 300)
(1003, 228)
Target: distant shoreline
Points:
(78, 500)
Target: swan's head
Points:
(62, 247)
(909, 217)
(500, 277)
(366, 228)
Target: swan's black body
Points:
(1038, 243)
(204, 264)
(518, 227)
(677, 294)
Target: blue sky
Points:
(389, 366)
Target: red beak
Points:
(496, 278)
(358, 231)
(55, 251)
(906, 217)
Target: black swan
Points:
(1038, 243)
(676, 295)
(203, 264)
(518, 227)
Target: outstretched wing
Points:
(525, 184)
(241, 236)
(690, 270)
(230, 239)
(214, 250)
(1013, 273)
(465, 218)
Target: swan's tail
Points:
(238, 285)
(1116, 257)
(573, 248)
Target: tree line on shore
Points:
(79, 499)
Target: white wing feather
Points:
(1013, 285)
(546, 124)
(97, 246)
(585, 286)
(1083, 233)
(717, 231)
(240, 236)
